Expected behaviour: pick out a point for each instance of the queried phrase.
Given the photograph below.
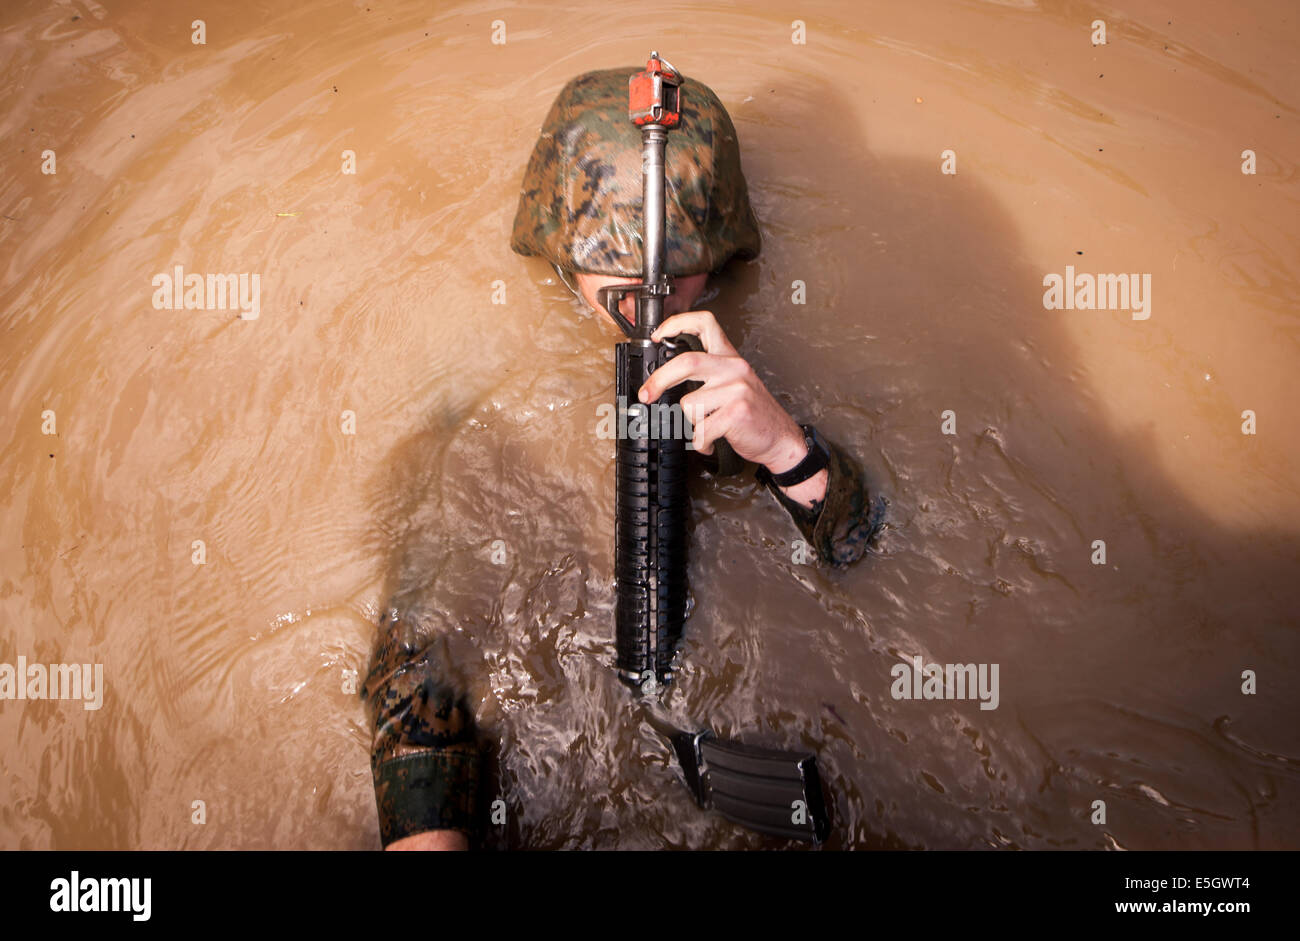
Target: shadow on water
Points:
(1119, 682)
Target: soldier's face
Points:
(686, 290)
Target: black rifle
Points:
(650, 463)
(771, 791)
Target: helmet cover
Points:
(580, 203)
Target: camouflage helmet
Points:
(580, 203)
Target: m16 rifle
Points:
(771, 791)
(650, 541)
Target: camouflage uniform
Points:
(840, 525)
(580, 208)
(424, 755)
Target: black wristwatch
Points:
(818, 458)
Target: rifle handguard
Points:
(650, 518)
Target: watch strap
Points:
(818, 458)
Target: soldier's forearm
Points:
(839, 526)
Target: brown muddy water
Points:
(232, 682)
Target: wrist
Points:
(789, 450)
(799, 468)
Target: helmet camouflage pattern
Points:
(580, 203)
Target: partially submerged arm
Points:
(424, 753)
(841, 525)
(835, 510)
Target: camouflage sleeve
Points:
(839, 526)
(424, 754)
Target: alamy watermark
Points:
(77, 894)
(655, 422)
(1098, 292)
(181, 291)
(84, 681)
(920, 680)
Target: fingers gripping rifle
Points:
(771, 791)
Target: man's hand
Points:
(732, 403)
